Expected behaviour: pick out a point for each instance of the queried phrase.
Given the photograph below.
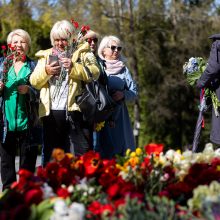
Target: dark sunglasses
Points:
(113, 48)
(89, 40)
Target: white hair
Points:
(62, 30)
(106, 42)
(22, 33)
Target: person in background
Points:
(117, 135)
(59, 83)
(210, 78)
(92, 38)
(18, 118)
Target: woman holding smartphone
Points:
(59, 83)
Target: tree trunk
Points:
(134, 64)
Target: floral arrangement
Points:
(145, 184)
(193, 69)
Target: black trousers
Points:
(70, 133)
(16, 142)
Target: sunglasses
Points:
(89, 40)
(113, 48)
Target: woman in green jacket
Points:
(17, 102)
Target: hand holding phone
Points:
(54, 60)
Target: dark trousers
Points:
(70, 133)
(16, 142)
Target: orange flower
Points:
(58, 154)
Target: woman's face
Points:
(112, 52)
(93, 42)
(19, 44)
(60, 44)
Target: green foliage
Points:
(158, 36)
(157, 209)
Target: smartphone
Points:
(53, 59)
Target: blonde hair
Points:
(106, 42)
(91, 34)
(62, 30)
(22, 33)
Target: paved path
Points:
(17, 163)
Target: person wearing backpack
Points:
(117, 134)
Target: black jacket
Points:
(211, 79)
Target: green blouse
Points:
(15, 109)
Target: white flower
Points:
(47, 191)
(60, 207)
(77, 210)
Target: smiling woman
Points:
(116, 136)
(64, 125)
(16, 105)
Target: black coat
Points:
(211, 79)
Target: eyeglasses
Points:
(89, 40)
(113, 48)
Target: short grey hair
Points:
(62, 30)
(107, 42)
(22, 33)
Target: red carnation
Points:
(63, 192)
(3, 47)
(75, 23)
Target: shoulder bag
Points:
(95, 102)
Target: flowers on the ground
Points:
(148, 183)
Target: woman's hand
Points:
(23, 89)
(118, 96)
(1, 86)
(53, 69)
(67, 63)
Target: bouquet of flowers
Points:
(10, 56)
(193, 69)
(69, 52)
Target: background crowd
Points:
(53, 84)
(158, 36)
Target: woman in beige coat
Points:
(63, 124)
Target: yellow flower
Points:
(218, 168)
(133, 154)
(138, 151)
(128, 151)
(99, 126)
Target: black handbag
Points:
(95, 102)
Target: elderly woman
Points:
(59, 82)
(17, 108)
(117, 136)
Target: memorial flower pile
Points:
(148, 183)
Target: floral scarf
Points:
(59, 53)
(113, 66)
